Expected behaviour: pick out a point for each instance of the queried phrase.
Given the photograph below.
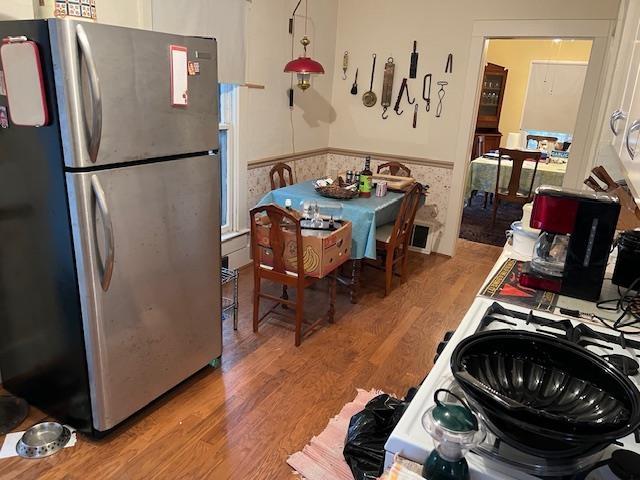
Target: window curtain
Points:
(222, 19)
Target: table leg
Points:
(355, 279)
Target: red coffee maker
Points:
(570, 256)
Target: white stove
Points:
(495, 459)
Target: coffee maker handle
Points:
(635, 126)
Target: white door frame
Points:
(590, 113)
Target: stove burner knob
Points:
(443, 344)
(625, 465)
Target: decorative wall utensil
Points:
(415, 116)
(369, 98)
(345, 65)
(387, 86)
(426, 92)
(449, 66)
(404, 90)
(413, 67)
(354, 87)
(441, 94)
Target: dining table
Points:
(483, 172)
(364, 213)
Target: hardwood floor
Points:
(269, 398)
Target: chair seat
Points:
(383, 232)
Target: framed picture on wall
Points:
(85, 9)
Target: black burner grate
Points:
(580, 334)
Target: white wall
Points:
(267, 125)
(266, 120)
(388, 28)
(16, 9)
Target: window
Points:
(227, 131)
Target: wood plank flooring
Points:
(269, 398)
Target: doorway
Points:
(529, 95)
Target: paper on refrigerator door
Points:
(179, 76)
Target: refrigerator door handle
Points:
(95, 133)
(101, 200)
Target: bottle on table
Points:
(366, 177)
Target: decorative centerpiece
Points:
(329, 188)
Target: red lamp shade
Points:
(303, 65)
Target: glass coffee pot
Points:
(550, 254)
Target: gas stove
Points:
(495, 459)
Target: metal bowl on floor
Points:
(43, 440)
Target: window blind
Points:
(222, 19)
(553, 96)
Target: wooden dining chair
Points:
(513, 193)
(395, 168)
(392, 240)
(278, 256)
(280, 172)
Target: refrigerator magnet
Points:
(24, 82)
(193, 68)
(179, 76)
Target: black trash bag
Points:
(367, 434)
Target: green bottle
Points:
(366, 179)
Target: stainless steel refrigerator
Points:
(109, 224)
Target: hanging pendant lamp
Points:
(304, 66)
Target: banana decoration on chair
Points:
(310, 258)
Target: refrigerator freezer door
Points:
(147, 242)
(115, 99)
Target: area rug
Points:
(476, 221)
(322, 458)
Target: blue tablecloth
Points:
(364, 213)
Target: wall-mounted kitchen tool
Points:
(415, 116)
(354, 87)
(404, 90)
(23, 82)
(413, 66)
(441, 94)
(449, 66)
(426, 92)
(369, 98)
(345, 65)
(387, 86)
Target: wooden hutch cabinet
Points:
(487, 136)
